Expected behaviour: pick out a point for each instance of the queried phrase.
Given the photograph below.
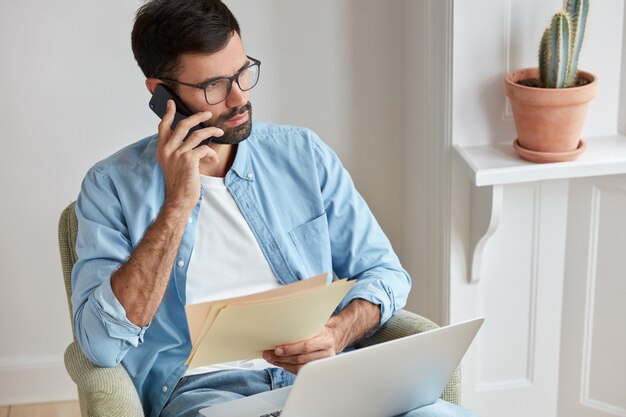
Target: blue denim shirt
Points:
(297, 198)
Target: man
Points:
(169, 221)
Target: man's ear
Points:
(151, 84)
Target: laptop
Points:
(383, 380)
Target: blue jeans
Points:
(199, 391)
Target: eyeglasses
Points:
(217, 90)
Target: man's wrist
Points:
(174, 211)
(336, 328)
(354, 322)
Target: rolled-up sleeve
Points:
(360, 249)
(101, 327)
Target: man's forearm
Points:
(140, 283)
(354, 322)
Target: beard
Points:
(235, 135)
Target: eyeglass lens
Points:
(219, 90)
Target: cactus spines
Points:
(578, 11)
(561, 44)
(554, 59)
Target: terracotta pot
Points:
(549, 120)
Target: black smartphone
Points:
(158, 104)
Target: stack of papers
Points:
(242, 328)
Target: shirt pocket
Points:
(312, 242)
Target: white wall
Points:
(72, 94)
(622, 112)
(427, 98)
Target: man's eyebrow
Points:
(210, 80)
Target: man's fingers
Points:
(319, 342)
(300, 359)
(293, 356)
(198, 136)
(182, 129)
(166, 121)
(204, 152)
(296, 348)
(294, 363)
(294, 369)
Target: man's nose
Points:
(236, 97)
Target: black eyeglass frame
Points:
(234, 78)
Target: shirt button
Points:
(164, 389)
(181, 263)
(189, 220)
(250, 175)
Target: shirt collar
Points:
(241, 165)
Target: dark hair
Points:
(165, 29)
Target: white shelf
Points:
(491, 167)
(500, 165)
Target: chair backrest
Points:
(68, 227)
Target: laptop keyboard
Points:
(274, 414)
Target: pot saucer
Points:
(544, 157)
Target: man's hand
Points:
(295, 356)
(180, 160)
(342, 330)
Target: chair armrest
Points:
(102, 391)
(405, 323)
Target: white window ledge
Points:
(500, 165)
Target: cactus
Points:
(554, 60)
(561, 44)
(578, 11)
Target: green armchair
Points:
(110, 391)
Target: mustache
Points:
(234, 112)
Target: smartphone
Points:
(158, 104)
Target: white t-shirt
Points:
(226, 261)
